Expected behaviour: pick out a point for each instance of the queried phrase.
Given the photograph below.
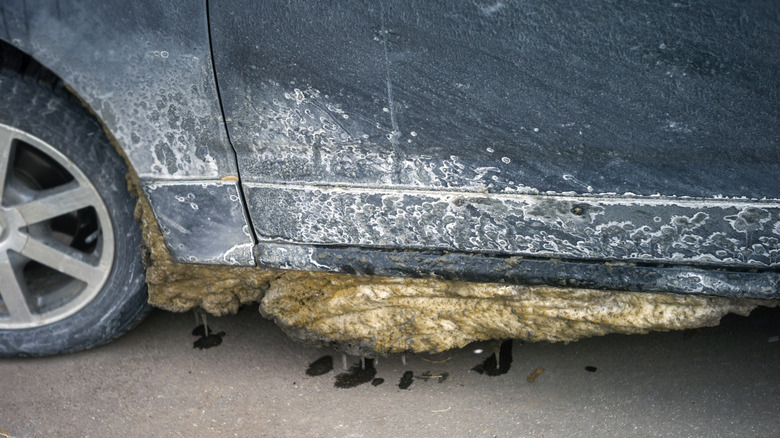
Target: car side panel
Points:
(621, 98)
(604, 132)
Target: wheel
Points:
(71, 276)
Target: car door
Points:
(634, 145)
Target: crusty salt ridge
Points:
(370, 315)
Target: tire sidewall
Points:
(60, 121)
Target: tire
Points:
(71, 276)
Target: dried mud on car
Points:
(372, 316)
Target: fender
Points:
(147, 74)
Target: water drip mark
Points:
(406, 380)
(496, 367)
(320, 366)
(390, 103)
(388, 81)
(207, 338)
(357, 375)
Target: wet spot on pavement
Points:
(206, 340)
(493, 367)
(406, 380)
(356, 375)
(320, 366)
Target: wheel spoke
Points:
(57, 243)
(65, 260)
(13, 293)
(56, 202)
(6, 138)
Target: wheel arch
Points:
(147, 76)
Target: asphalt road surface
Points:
(716, 382)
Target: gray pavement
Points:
(717, 382)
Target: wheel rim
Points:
(56, 237)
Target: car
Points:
(386, 176)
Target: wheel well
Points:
(12, 58)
